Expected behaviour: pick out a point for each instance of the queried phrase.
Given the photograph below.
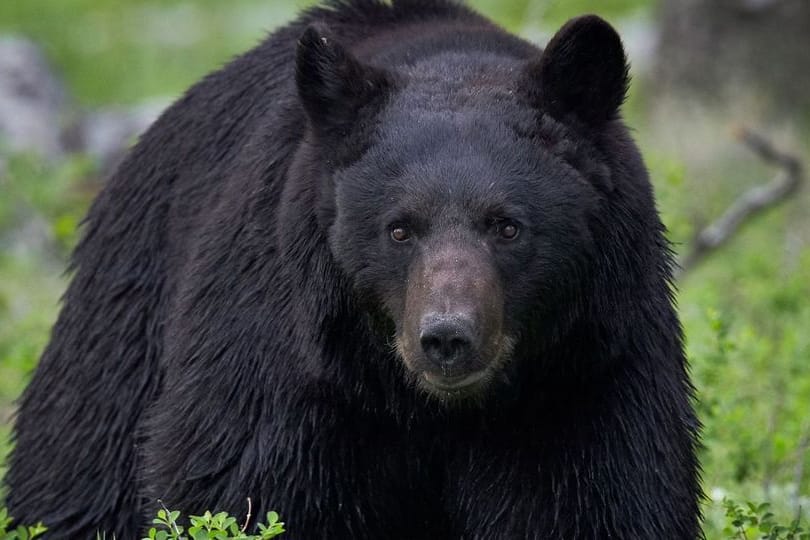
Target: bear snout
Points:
(451, 337)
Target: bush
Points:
(750, 521)
(208, 526)
(19, 533)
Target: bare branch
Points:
(169, 517)
(751, 203)
(247, 519)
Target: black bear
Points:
(394, 273)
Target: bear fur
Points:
(394, 273)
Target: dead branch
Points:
(247, 519)
(751, 203)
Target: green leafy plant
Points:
(219, 526)
(19, 533)
(756, 521)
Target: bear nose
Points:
(446, 340)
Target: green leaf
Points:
(37, 530)
(21, 532)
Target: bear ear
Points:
(583, 71)
(332, 84)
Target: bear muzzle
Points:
(452, 336)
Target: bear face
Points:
(484, 236)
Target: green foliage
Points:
(19, 533)
(753, 388)
(40, 210)
(33, 188)
(750, 521)
(113, 51)
(550, 14)
(208, 526)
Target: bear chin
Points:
(471, 387)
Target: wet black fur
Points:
(226, 334)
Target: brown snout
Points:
(452, 330)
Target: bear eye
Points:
(400, 233)
(506, 229)
(509, 231)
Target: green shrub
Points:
(19, 533)
(750, 521)
(208, 526)
(219, 526)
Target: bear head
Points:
(458, 190)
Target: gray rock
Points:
(32, 100)
(36, 114)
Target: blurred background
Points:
(79, 79)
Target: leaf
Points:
(21, 532)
